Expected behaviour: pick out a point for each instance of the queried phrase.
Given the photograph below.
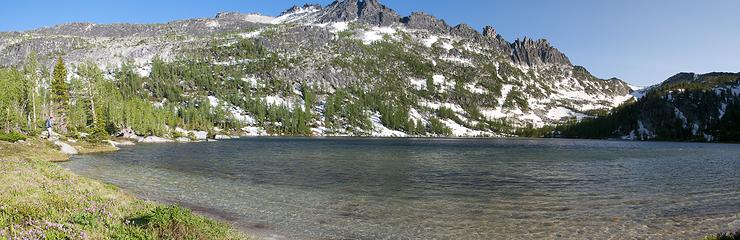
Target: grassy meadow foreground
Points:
(40, 200)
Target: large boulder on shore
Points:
(66, 148)
(155, 139)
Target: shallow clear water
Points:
(353, 188)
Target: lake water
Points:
(359, 188)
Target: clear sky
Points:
(640, 41)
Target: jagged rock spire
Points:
(538, 52)
(366, 11)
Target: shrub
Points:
(12, 137)
(174, 222)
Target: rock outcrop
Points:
(364, 11)
(538, 52)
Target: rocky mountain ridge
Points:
(473, 83)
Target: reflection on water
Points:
(350, 188)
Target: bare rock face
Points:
(419, 20)
(464, 30)
(365, 11)
(489, 32)
(538, 52)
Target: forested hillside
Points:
(685, 107)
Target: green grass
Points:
(40, 200)
(725, 236)
(12, 137)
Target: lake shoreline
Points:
(34, 185)
(249, 189)
(252, 228)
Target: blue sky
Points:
(642, 42)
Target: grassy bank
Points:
(40, 200)
(725, 236)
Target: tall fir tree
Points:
(60, 94)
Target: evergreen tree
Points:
(60, 94)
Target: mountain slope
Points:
(350, 68)
(687, 107)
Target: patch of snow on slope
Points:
(505, 89)
(242, 116)
(144, 70)
(295, 16)
(418, 84)
(276, 100)
(447, 45)
(442, 84)
(252, 34)
(377, 34)
(257, 18)
(437, 105)
(233, 62)
(213, 100)
(529, 117)
(458, 60)
(382, 131)
(695, 129)
(680, 115)
(430, 41)
(252, 80)
(722, 110)
(473, 88)
(559, 113)
(416, 116)
(461, 131)
(735, 90)
(339, 27)
(644, 132)
(618, 100)
(493, 114)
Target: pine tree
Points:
(60, 93)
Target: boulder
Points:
(120, 143)
(155, 139)
(200, 135)
(66, 148)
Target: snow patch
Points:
(213, 101)
(458, 60)
(377, 34)
(339, 27)
(380, 130)
(418, 84)
(643, 131)
(474, 88)
(295, 16)
(258, 18)
(559, 113)
(680, 115)
(430, 41)
(252, 34)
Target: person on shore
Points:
(49, 125)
